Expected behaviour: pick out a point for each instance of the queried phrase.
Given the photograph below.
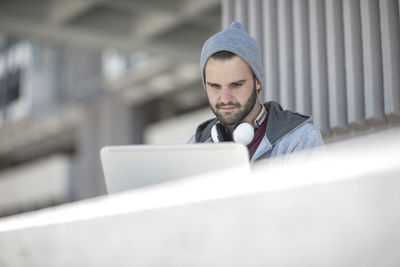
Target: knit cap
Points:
(236, 40)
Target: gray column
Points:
(255, 21)
(256, 29)
(227, 13)
(86, 174)
(319, 82)
(301, 57)
(354, 64)
(373, 79)
(286, 69)
(270, 45)
(106, 121)
(240, 7)
(390, 29)
(39, 85)
(336, 65)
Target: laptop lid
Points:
(134, 166)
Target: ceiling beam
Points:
(153, 25)
(43, 32)
(55, 29)
(134, 6)
(61, 12)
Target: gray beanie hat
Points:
(236, 40)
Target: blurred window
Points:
(10, 87)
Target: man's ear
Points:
(258, 86)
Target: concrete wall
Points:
(176, 130)
(37, 184)
(337, 60)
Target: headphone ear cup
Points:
(243, 133)
(220, 134)
(214, 134)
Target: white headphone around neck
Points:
(243, 133)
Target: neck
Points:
(255, 111)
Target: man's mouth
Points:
(227, 108)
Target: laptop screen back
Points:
(134, 166)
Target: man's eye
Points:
(236, 84)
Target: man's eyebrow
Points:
(211, 83)
(240, 81)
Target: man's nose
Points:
(226, 95)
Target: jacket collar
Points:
(203, 132)
(280, 123)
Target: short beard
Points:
(234, 119)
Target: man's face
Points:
(230, 89)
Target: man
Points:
(233, 75)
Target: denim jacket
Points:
(286, 132)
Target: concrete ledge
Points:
(314, 212)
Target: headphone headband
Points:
(260, 118)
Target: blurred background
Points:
(77, 75)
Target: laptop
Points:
(135, 166)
